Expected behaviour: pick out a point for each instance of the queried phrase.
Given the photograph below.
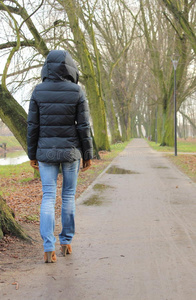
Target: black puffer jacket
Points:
(58, 119)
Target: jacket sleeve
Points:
(83, 127)
(32, 128)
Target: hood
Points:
(60, 65)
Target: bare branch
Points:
(23, 70)
(27, 43)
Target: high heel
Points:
(66, 249)
(50, 257)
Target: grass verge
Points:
(188, 145)
(186, 163)
(15, 171)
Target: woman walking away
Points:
(58, 134)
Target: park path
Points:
(137, 243)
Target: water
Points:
(13, 158)
(117, 170)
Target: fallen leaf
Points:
(16, 284)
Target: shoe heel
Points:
(49, 257)
(64, 250)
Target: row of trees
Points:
(123, 50)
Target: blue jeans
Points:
(49, 174)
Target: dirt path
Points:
(136, 242)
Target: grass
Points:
(188, 145)
(15, 153)
(27, 179)
(11, 142)
(117, 148)
(34, 218)
(16, 170)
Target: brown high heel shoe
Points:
(66, 249)
(50, 257)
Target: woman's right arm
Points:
(83, 127)
(32, 128)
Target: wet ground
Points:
(135, 237)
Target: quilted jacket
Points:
(58, 118)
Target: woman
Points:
(58, 134)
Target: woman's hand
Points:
(86, 164)
(34, 164)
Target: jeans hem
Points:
(65, 242)
(49, 250)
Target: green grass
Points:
(15, 170)
(33, 218)
(116, 149)
(15, 153)
(27, 179)
(182, 146)
(11, 142)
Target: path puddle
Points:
(160, 167)
(96, 199)
(93, 200)
(101, 186)
(117, 170)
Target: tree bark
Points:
(8, 224)
(14, 116)
(96, 103)
(110, 111)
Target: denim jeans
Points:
(49, 174)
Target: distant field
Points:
(188, 145)
(11, 142)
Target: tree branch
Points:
(12, 51)
(23, 70)
(13, 10)
(172, 24)
(183, 22)
(39, 42)
(191, 4)
(188, 118)
(26, 43)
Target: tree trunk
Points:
(111, 116)
(168, 138)
(8, 224)
(140, 126)
(125, 123)
(93, 91)
(14, 116)
(97, 110)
